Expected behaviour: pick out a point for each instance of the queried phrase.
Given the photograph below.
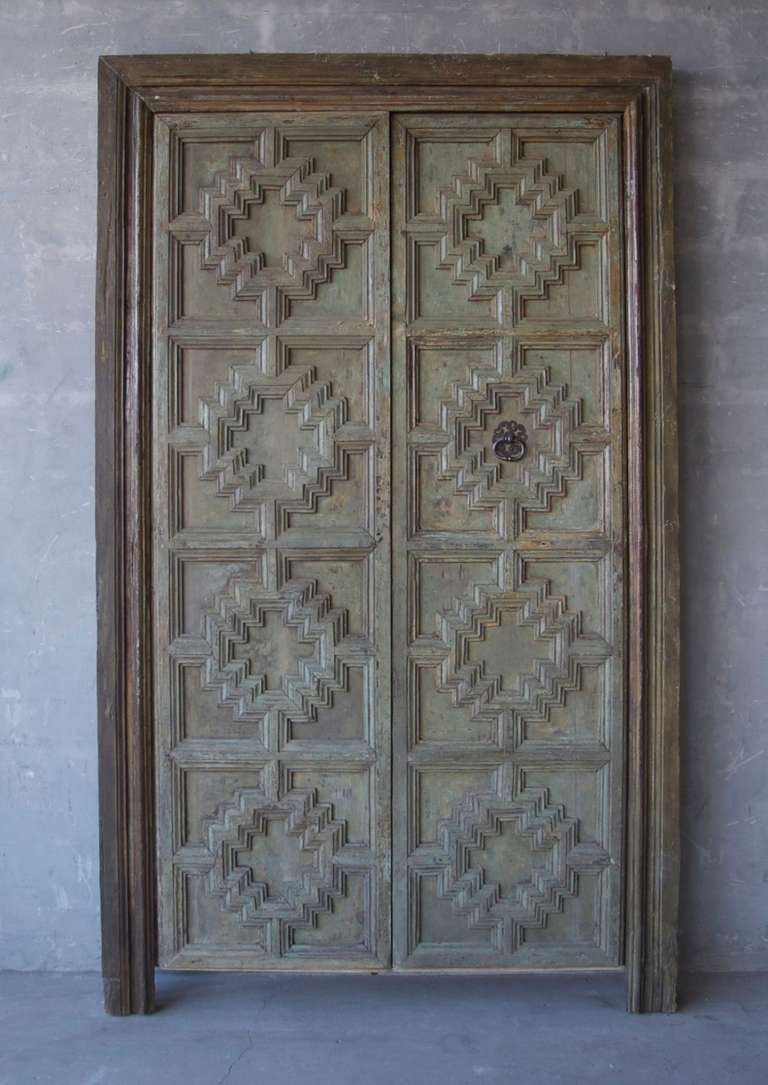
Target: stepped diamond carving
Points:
(542, 642)
(248, 865)
(549, 861)
(262, 225)
(553, 457)
(273, 440)
(293, 669)
(507, 226)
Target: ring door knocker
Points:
(510, 441)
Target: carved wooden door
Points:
(271, 445)
(272, 501)
(508, 541)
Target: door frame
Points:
(132, 89)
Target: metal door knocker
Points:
(509, 441)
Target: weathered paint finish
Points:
(271, 540)
(270, 563)
(510, 704)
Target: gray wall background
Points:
(48, 51)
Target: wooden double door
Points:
(389, 540)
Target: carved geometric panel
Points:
(511, 707)
(272, 435)
(275, 860)
(506, 650)
(470, 390)
(505, 857)
(496, 232)
(273, 215)
(271, 555)
(273, 651)
(280, 870)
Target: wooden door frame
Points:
(131, 91)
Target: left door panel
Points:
(271, 540)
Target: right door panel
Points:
(508, 541)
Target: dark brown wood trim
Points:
(205, 99)
(122, 525)
(661, 775)
(109, 592)
(635, 833)
(386, 70)
(652, 784)
(131, 90)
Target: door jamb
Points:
(131, 91)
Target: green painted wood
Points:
(272, 578)
(271, 543)
(509, 577)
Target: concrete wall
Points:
(48, 51)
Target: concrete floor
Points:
(372, 1030)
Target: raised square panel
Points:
(435, 790)
(197, 507)
(435, 372)
(197, 710)
(276, 657)
(578, 158)
(508, 227)
(582, 506)
(345, 295)
(345, 788)
(580, 372)
(581, 582)
(194, 297)
(198, 579)
(344, 366)
(442, 582)
(205, 152)
(340, 500)
(577, 295)
(344, 576)
(500, 648)
(202, 370)
(345, 721)
(201, 790)
(345, 929)
(436, 507)
(437, 721)
(439, 159)
(344, 154)
(438, 926)
(206, 932)
(435, 296)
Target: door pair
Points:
(389, 526)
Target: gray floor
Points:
(371, 1030)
